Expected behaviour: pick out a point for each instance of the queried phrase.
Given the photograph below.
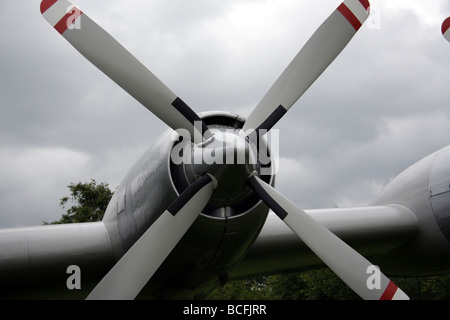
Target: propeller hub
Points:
(230, 157)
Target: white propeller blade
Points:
(348, 264)
(132, 272)
(446, 29)
(121, 66)
(317, 54)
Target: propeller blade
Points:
(348, 264)
(446, 29)
(102, 50)
(131, 273)
(317, 54)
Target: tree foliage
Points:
(88, 201)
(322, 285)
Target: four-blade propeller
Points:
(136, 267)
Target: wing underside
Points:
(372, 231)
(41, 255)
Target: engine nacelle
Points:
(424, 188)
(217, 240)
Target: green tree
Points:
(426, 288)
(88, 201)
(320, 284)
(249, 289)
(323, 284)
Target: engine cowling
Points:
(424, 188)
(224, 231)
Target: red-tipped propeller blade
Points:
(348, 264)
(317, 54)
(102, 50)
(446, 29)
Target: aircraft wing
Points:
(40, 256)
(372, 231)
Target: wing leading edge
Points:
(37, 258)
(372, 231)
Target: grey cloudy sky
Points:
(380, 107)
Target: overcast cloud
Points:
(380, 107)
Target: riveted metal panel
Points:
(440, 191)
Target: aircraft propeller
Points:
(446, 29)
(136, 267)
(317, 54)
(345, 262)
(132, 272)
(108, 55)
